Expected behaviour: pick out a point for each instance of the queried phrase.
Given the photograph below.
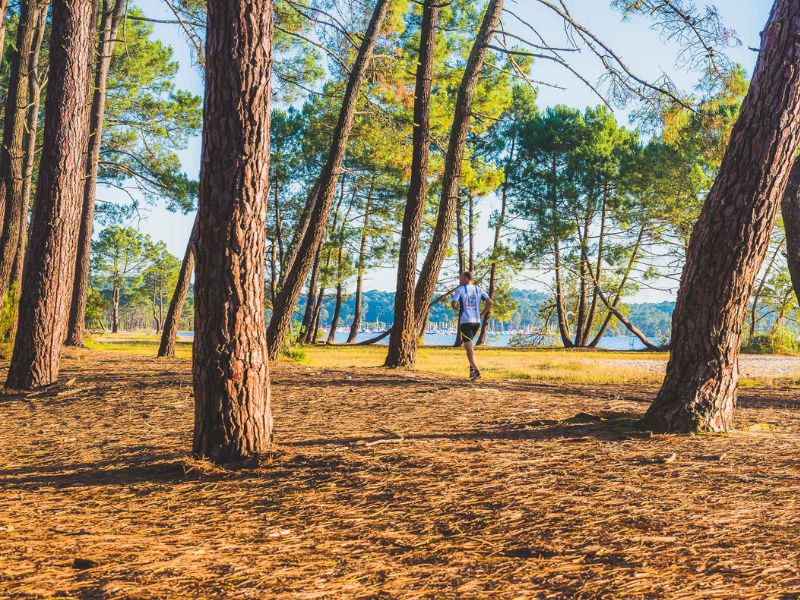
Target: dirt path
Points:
(391, 485)
(750, 366)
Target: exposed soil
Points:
(390, 484)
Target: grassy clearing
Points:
(549, 365)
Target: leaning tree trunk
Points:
(403, 340)
(175, 310)
(31, 126)
(362, 263)
(50, 260)
(311, 299)
(12, 151)
(731, 238)
(790, 209)
(230, 369)
(451, 178)
(281, 320)
(111, 18)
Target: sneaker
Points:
(474, 375)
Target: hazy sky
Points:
(641, 48)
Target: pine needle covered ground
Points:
(394, 484)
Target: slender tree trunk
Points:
(313, 332)
(31, 126)
(598, 266)
(278, 227)
(760, 290)
(462, 258)
(281, 321)
(50, 261)
(620, 290)
(402, 344)
(498, 232)
(561, 311)
(233, 417)
(790, 209)
(731, 238)
(336, 312)
(12, 150)
(583, 299)
(3, 14)
(175, 310)
(111, 18)
(471, 233)
(311, 299)
(362, 263)
(116, 292)
(451, 179)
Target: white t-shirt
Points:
(470, 297)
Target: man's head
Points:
(466, 278)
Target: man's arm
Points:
(487, 307)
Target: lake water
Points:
(609, 342)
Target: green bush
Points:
(8, 321)
(780, 341)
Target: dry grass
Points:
(391, 484)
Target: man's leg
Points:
(470, 347)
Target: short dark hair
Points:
(467, 275)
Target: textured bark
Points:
(281, 320)
(402, 344)
(111, 18)
(451, 178)
(167, 347)
(790, 209)
(230, 369)
(731, 238)
(12, 151)
(50, 260)
(31, 127)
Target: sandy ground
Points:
(392, 485)
(750, 366)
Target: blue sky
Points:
(639, 46)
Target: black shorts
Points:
(469, 331)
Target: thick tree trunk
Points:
(12, 150)
(31, 127)
(50, 260)
(175, 310)
(233, 417)
(451, 178)
(111, 19)
(731, 238)
(402, 344)
(281, 320)
(362, 263)
(790, 209)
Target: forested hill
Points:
(652, 318)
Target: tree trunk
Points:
(583, 298)
(116, 292)
(230, 368)
(336, 312)
(281, 320)
(3, 13)
(471, 233)
(31, 126)
(279, 228)
(402, 344)
(50, 260)
(462, 258)
(498, 231)
(731, 238)
(311, 299)
(362, 261)
(451, 179)
(598, 265)
(111, 18)
(790, 209)
(760, 290)
(175, 310)
(313, 331)
(561, 312)
(12, 150)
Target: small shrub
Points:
(780, 341)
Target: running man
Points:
(467, 301)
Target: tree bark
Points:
(731, 238)
(50, 260)
(112, 12)
(336, 312)
(402, 344)
(230, 368)
(313, 331)
(31, 127)
(3, 13)
(12, 151)
(175, 310)
(281, 320)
